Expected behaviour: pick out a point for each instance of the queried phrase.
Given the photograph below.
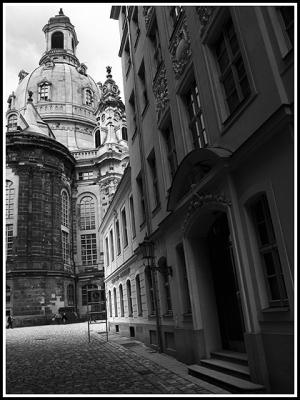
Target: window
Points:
(124, 133)
(86, 293)
(65, 247)
(156, 49)
(70, 295)
(232, 73)
(129, 298)
(118, 237)
(139, 182)
(121, 300)
(57, 40)
(187, 308)
(109, 303)
(115, 302)
(170, 149)
(112, 247)
(9, 239)
(133, 112)
(12, 122)
(127, 57)
(196, 122)
(8, 294)
(89, 101)
(287, 21)
(88, 249)
(175, 12)
(135, 20)
(124, 223)
(85, 175)
(152, 165)
(44, 91)
(132, 216)
(87, 213)
(268, 250)
(10, 197)
(107, 251)
(138, 295)
(97, 139)
(151, 304)
(143, 86)
(65, 209)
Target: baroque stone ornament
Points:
(205, 13)
(180, 47)
(201, 199)
(148, 12)
(160, 91)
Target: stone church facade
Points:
(66, 145)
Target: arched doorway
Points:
(212, 274)
(225, 285)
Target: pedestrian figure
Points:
(58, 318)
(64, 318)
(10, 322)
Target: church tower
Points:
(66, 152)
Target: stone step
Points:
(227, 382)
(233, 356)
(228, 367)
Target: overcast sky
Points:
(24, 40)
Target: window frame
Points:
(87, 219)
(124, 227)
(12, 126)
(195, 115)
(268, 248)
(231, 69)
(92, 247)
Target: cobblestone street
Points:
(59, 359)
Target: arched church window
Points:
(73, 45)
(89, 101)
(86, 293)
(97, 139)
(70, 294)
(12, 122)
(44, 91)
(65, 209)
(87, 213)
(10, 197)
(57, 40)
(124, 133)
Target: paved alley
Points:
(59, 359)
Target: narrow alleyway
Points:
(59, 359)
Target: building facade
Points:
(209, 96)
(66, 152)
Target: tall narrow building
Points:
(208, 271)
(66, 152)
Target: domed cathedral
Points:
(66, 152)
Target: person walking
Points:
(10, 322)
(64, 318)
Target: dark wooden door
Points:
(226, 286)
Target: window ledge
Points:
(134, 135)
(151, 316)
(142, 225)
(156, 209)
(275, 309)
(237, 113)
(145, 109)
(168, 315)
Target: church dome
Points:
(56, 85)
(64, 95)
